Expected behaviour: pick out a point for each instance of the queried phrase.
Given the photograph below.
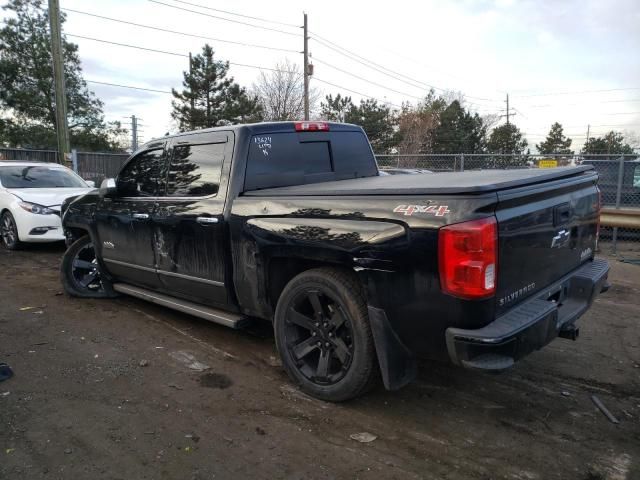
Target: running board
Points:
(227, 319)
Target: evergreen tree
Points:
(459, 131)
(556, 142)
(27, 97)
(417, 125)
(506, 138)
(336, 108)
(216, 98)
(613, 143)
(377, 121)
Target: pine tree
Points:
(377, 121)
(613, 143)
(336, 108)
(508, 139)
(556, 142)
(210, 97)
(459, 131)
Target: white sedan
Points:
(30, 197)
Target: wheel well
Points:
(283, 269)
(76, 232)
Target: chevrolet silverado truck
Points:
(360, 273)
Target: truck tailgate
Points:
(544, 232)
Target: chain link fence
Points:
(89, 165)
(619, 180)
(619, 185)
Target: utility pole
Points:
(134, 133)
(192, 99)
(306, 69)
(62, 128)
(508, 113)
(588, 132)
(507, 109)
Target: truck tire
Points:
(80, 272)
(323, 335)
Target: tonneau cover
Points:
(477, 181)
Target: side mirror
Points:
(107, 187)
(90, 183)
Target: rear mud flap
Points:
(397, 365)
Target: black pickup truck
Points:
(360, 273)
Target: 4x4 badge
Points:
(437, 210)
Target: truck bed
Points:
(473, 182)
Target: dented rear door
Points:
(190, 240)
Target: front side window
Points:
(31, 176)
(142, 176)
(195, 170)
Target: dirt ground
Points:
(111, 389)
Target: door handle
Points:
(207, 220)
(140, 216)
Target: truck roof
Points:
(258, 128)
(478, 181)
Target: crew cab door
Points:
(189, 223)
(123, 221)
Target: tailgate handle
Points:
(561, 214)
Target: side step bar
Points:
(227, 319)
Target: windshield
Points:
(39, 177)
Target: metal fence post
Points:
(462, 162)
(614, 237)
(74, 159)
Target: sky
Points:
(574, 62)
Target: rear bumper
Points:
(532, 324)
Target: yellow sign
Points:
(547, 163)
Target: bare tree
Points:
(281, 93)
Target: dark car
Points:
(359, 273)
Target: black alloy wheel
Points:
(80, 272)
(319, 337)
(323, 334)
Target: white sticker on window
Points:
(264, 144)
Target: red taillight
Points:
(312, 127)
(467, 254)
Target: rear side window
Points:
(143, 175)
(283, 159)
(195, 170)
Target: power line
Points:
(238, 14)
(224, 19)
(173, 53)
(354, 91)
(365, 80)
(395, 77)
(175, 32)
(127, 45)
(128, 86)
(578, 93)
(380, 68)
(582, 103)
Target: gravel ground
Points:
(122, 389)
